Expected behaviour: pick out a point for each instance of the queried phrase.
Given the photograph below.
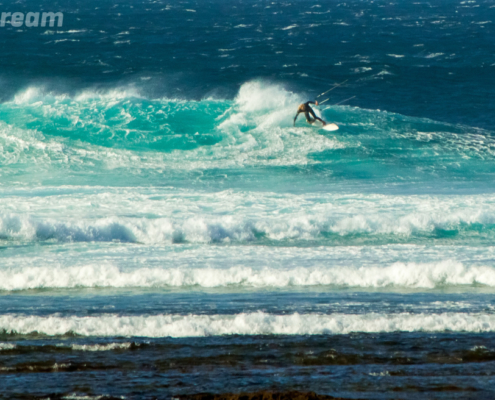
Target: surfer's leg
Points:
(308, 118)
(315, 117)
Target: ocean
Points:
(165, 229)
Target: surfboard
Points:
(330, 127)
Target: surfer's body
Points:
(308, 113)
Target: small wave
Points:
(7, 346)
(434, 55)
(399, 275)
(218, 229)
(360, 70)
(306, 218)
(36, 94)
(102, 347)
(64, 40)
(258, 323)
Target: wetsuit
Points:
(307, 110)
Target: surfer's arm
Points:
(296, 117)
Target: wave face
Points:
(96, 136)
(119, 130)
(171, 216)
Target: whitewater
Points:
(129, 218)
(311, 227)
(266, 204)
(250, 203)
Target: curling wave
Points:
(96, 132)
(228, 217)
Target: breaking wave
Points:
(399, 275)
(94, 132)
(258, 323)
(229, 217)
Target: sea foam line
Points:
(399, 274)
(258, 323)
(316, 221)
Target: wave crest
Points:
(258, 323)
(398, 275)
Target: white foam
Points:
(108, 95)
(165, 216)
(28, 147)
(258, 131)
(398, 274)
(7, 346)
(101, 347)
(29, 95)
(258, 323)
(198, 217)
(40, 93)
(434, 55)
(257, 96)
(76, 396)
(65, 40)
(383, 373)
(360, 70)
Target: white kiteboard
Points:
(330, 127)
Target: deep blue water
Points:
(166, 230)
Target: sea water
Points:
(165, 229)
